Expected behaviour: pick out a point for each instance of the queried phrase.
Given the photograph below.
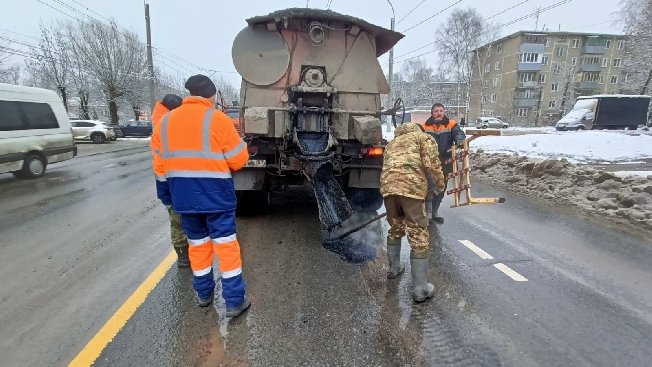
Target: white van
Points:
(34, 130)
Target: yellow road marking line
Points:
(94, 348)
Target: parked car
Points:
(34, 131)
(94, 130)
(490, 122)
(137, 128)
(116, 130)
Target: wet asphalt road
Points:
(77, 243)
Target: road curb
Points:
(113, 151)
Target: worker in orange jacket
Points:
(198, 148)
(178, 237)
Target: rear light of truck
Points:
(252, 149)
(373, 151)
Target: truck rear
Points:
(310, 109)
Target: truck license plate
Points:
(256, 163)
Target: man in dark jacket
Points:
(446, 133)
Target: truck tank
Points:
(310, 109)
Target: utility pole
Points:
(391, 72)
(150, 63)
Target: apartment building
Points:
(525, 72)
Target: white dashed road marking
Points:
(500, 266)
(478, 251)
(510, 273)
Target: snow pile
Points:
(626, 200)
(576, 147)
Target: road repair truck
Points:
(310, 108)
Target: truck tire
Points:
(364, 198)
(251, 202)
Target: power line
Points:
(484, 20)
(425, 20)
(501, 26)
(590, 25)
(413, 9)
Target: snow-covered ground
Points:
(633, 173)
(581, 147)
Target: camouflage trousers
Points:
(408, 216)
(176, 232)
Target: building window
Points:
(496, 81)
(484, 99)
(528, 57)
(601, 79)
(557, 69)
(560, 51)
(552, 103)
(486, 83)
(544, 60)
(621, 44)
(547, 42)
(608, 45)
(554, 87)
(521, 112)
(626, 77)
(493, 98)
(562, 40)
(499, 48)
(574, 61)
(542, 78)
(605, 62)
(526, 77)
(614, 79)
(497, 65)
(487, 113)
(487, 68)
(617, 63)
(576, 43)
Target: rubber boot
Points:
(421, 289)
(183, 261)
(435, 211)
(238, 310)
(394, 255)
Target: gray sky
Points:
(201, 32)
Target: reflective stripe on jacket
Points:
(198, 148)
(162, 187)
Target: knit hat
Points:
(200, 85)
(171, 101)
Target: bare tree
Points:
(52, 62)
(416, 80)
(229, 91)
(8, 73)
(464, 31)
(636, 16)
(113, 58)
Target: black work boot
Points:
(394, 256)
(183, 261)
(238, 310)
(421, 289)
(203, 302)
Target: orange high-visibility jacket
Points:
(162, 188)
(198, 147)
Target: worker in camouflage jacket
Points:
(408, 159)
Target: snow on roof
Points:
(550, 33)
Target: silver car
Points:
(490, 122)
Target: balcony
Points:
(534, 48)
(525, 102)
(530, 84)
(529, 66)
(591, 67)
(586, 85)
(594, 49)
